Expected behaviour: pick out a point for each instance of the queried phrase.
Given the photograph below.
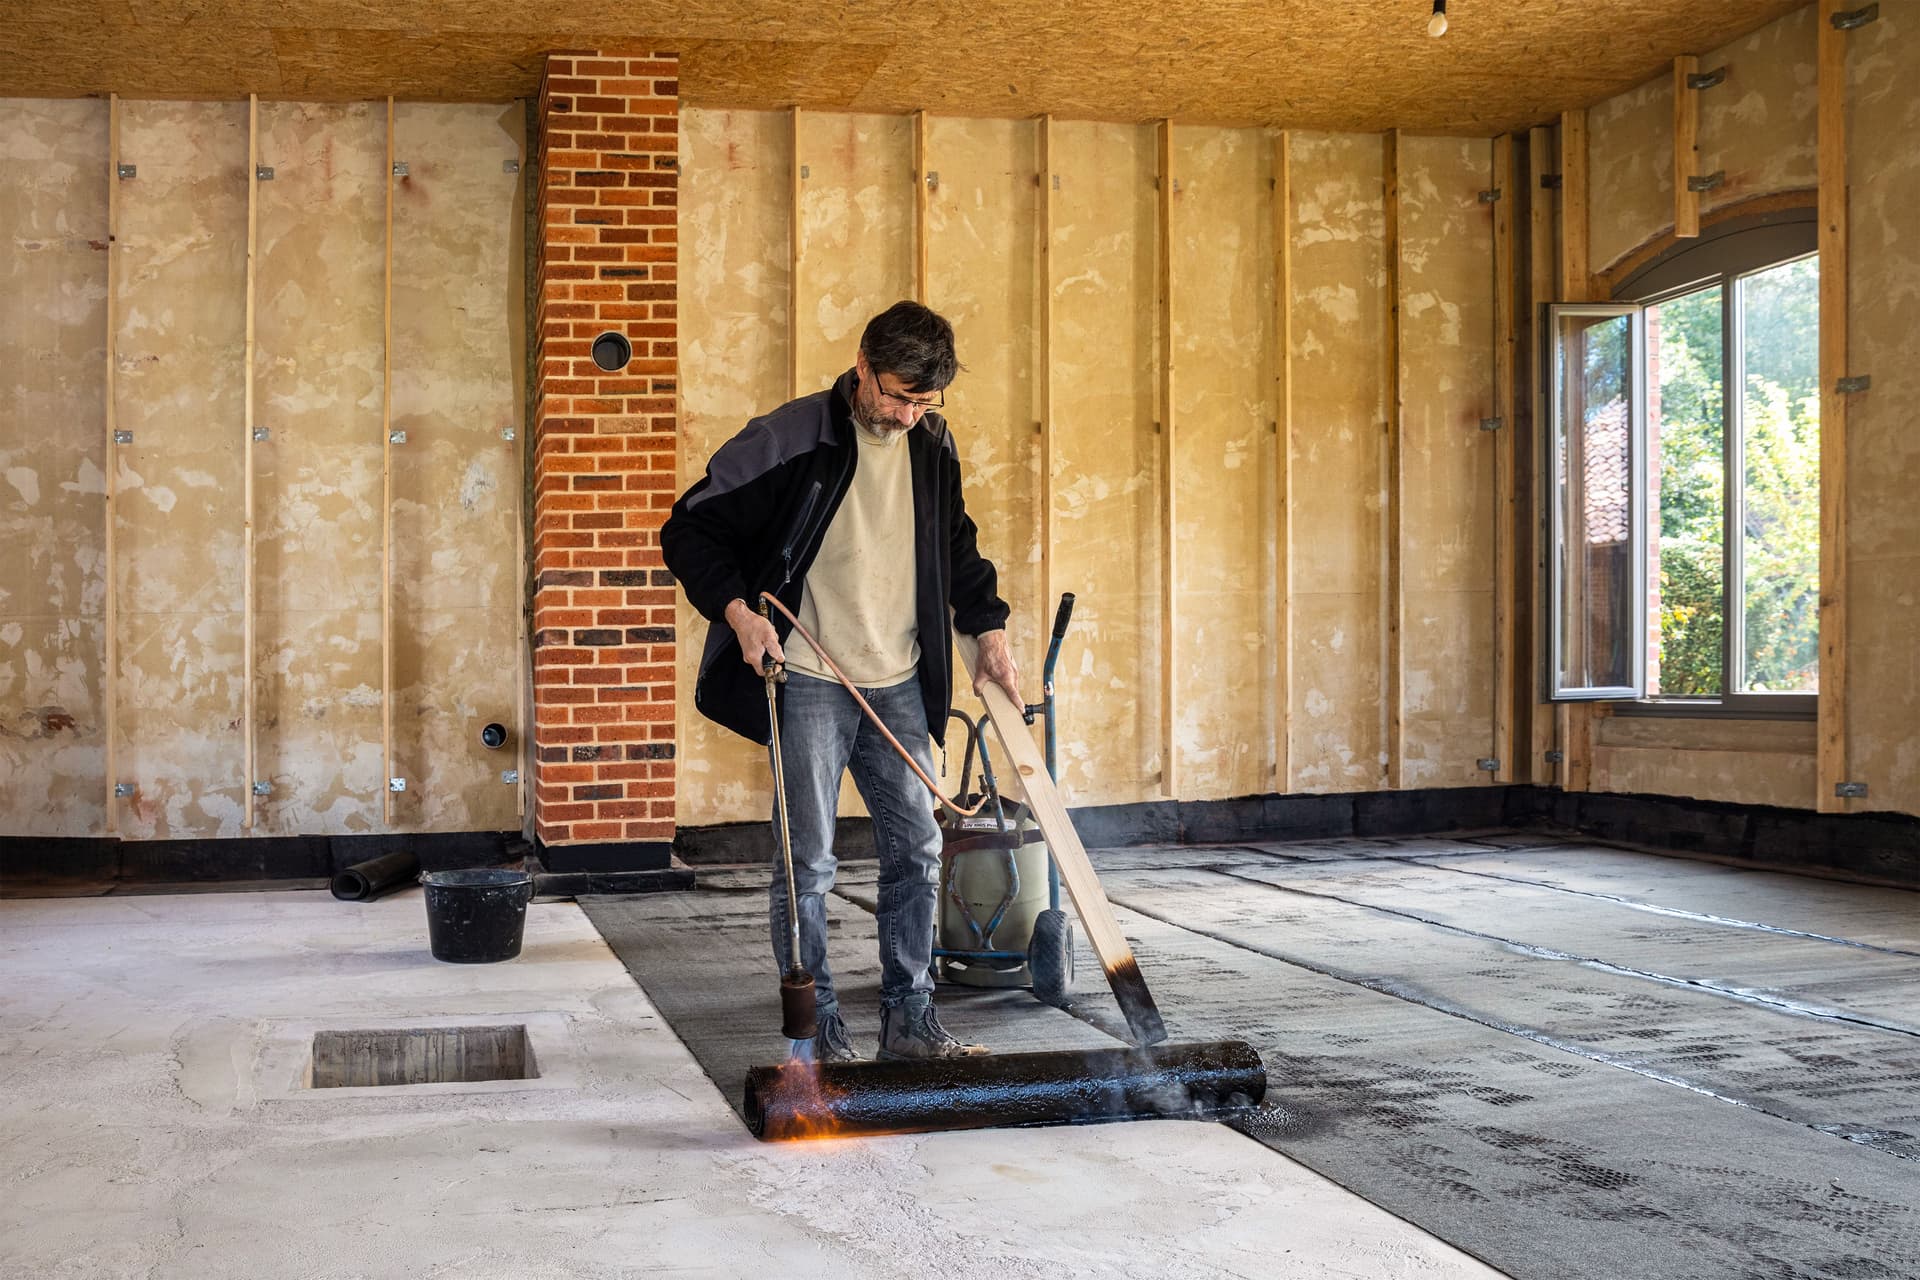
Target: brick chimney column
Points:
(604, 461)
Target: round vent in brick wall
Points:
(611, 351)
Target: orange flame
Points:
(807, 1112)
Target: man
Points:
(846, 505)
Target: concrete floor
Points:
(152, 1126)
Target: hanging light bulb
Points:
(1437, 24)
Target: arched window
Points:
(1684, 455)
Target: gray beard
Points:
(877, 424)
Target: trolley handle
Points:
(1060, 618)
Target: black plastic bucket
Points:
(479, 916)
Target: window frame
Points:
(1636, 501)
(1723, 255)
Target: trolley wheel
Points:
(1050, 958)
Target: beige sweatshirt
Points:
(860, 597)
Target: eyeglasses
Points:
(939, 400)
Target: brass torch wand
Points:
(798, 1016)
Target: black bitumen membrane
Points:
(1568, 1060)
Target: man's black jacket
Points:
(755, 522)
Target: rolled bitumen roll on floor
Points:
(846, 1099)
(364, 881)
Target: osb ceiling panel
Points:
(1301, 63)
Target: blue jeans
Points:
(823, 733)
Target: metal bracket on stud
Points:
(1707, 182)
(1850, 790)
(1556, 757)
(508, 433)
(123, 789)
(396, 437)
(1855, 18)
(1487, 765)
(128, 172)
(123, 437)
(263, 173)
(933, 180)
(1491, 424)
(1490, 197)
(806, 171)
(262, 433)
(263, 788)
(509, 775)
(1848, 386)
(399, 168)
(1550, 181)
(509, 166)
(1707, 79)
(1056, 182)
(396, 784)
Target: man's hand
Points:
(996, 665)
(755, 634)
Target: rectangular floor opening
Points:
(421, 1055)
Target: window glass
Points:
(1779, 527)
(1686, 450)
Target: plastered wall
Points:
(1757, 128)
(1099, 286)
(1446, 359)
(179, 337)
(1338, 282)
(1883, 429)
(1760, 128)
(53, 291)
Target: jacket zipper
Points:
(799, 533)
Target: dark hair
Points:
(914, 344)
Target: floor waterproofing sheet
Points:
(1567, 1060)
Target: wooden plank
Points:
(793, 261)
(922, 193)
(386, 507)
(1506, 523)
(1049, 588)
(1576, 285)
(1394, 587)
(1542, 259)
(1070, 856)
(1163, 293)
(110, 465)
(1686, 147)
(1831, 761)
(1283, 460)
(523, 754)
(248, 735)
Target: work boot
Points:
(830, 1042)
(911, 1029)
